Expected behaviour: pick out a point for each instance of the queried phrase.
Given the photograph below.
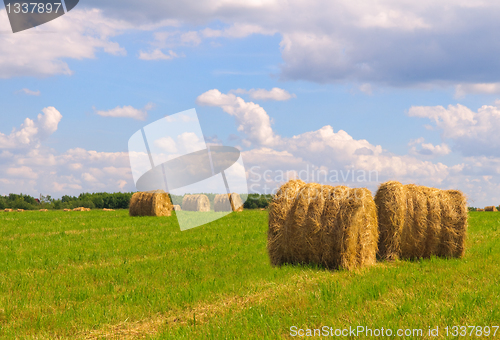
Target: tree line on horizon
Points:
(102, 200)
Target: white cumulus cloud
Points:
(31, 132)
(472, 133)
(42, 51)
(127, 112)
(252, 118)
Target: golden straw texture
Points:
(418, 222)
(153, 203)
(196, 203)
(335, 227)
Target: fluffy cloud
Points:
(29, 167)
(31, 133)
(263, 94)
(166, 144)
(472, 133)
(41, 51)
(387, 41)
(488, 88)
(253, 120)
(157, 54)
(127, 112)
(335, 154)
(44, 171)
(21, 172)
(418, 147)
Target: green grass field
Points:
(93, 275)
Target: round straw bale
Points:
(415, 227)
(196, 203)
(228, 202)
(490, 208)
(177, 207)
(479, 209)
(335, 227)
(67, 210)
(81, 209)
(457, 223)
(391, 202)
(44, 210)
(20, 210)
(277, 235)
(8, 210)
(418, 222)
(151, 203)
(433, 228)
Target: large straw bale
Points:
(196, 203)
(228, 202)
(418, 222)
(490, 208)
(151, 203)
(335, 227)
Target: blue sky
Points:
(406, 89)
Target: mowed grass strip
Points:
(128, 278)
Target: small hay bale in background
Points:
(44, 210)
(226, 202)
(151, 203)
(479, 209)
(417, 221)
(490, 208)
(81, 209)
(331, 226)
(196, 203)
(20, 210)
(67, 210)
(105, 209)
(8, 210)
(177, 207)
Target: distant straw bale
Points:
(226, 202)
(490, 208)
(335, 227)
(196, 203)
(177, 207)
(20, 210)
(105, 209)
(67, 210)
(8, 210)
(81, 209)
(479, 209)
(418, 222)
(151, 203)
(44, 210)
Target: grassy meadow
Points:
(99, 275)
